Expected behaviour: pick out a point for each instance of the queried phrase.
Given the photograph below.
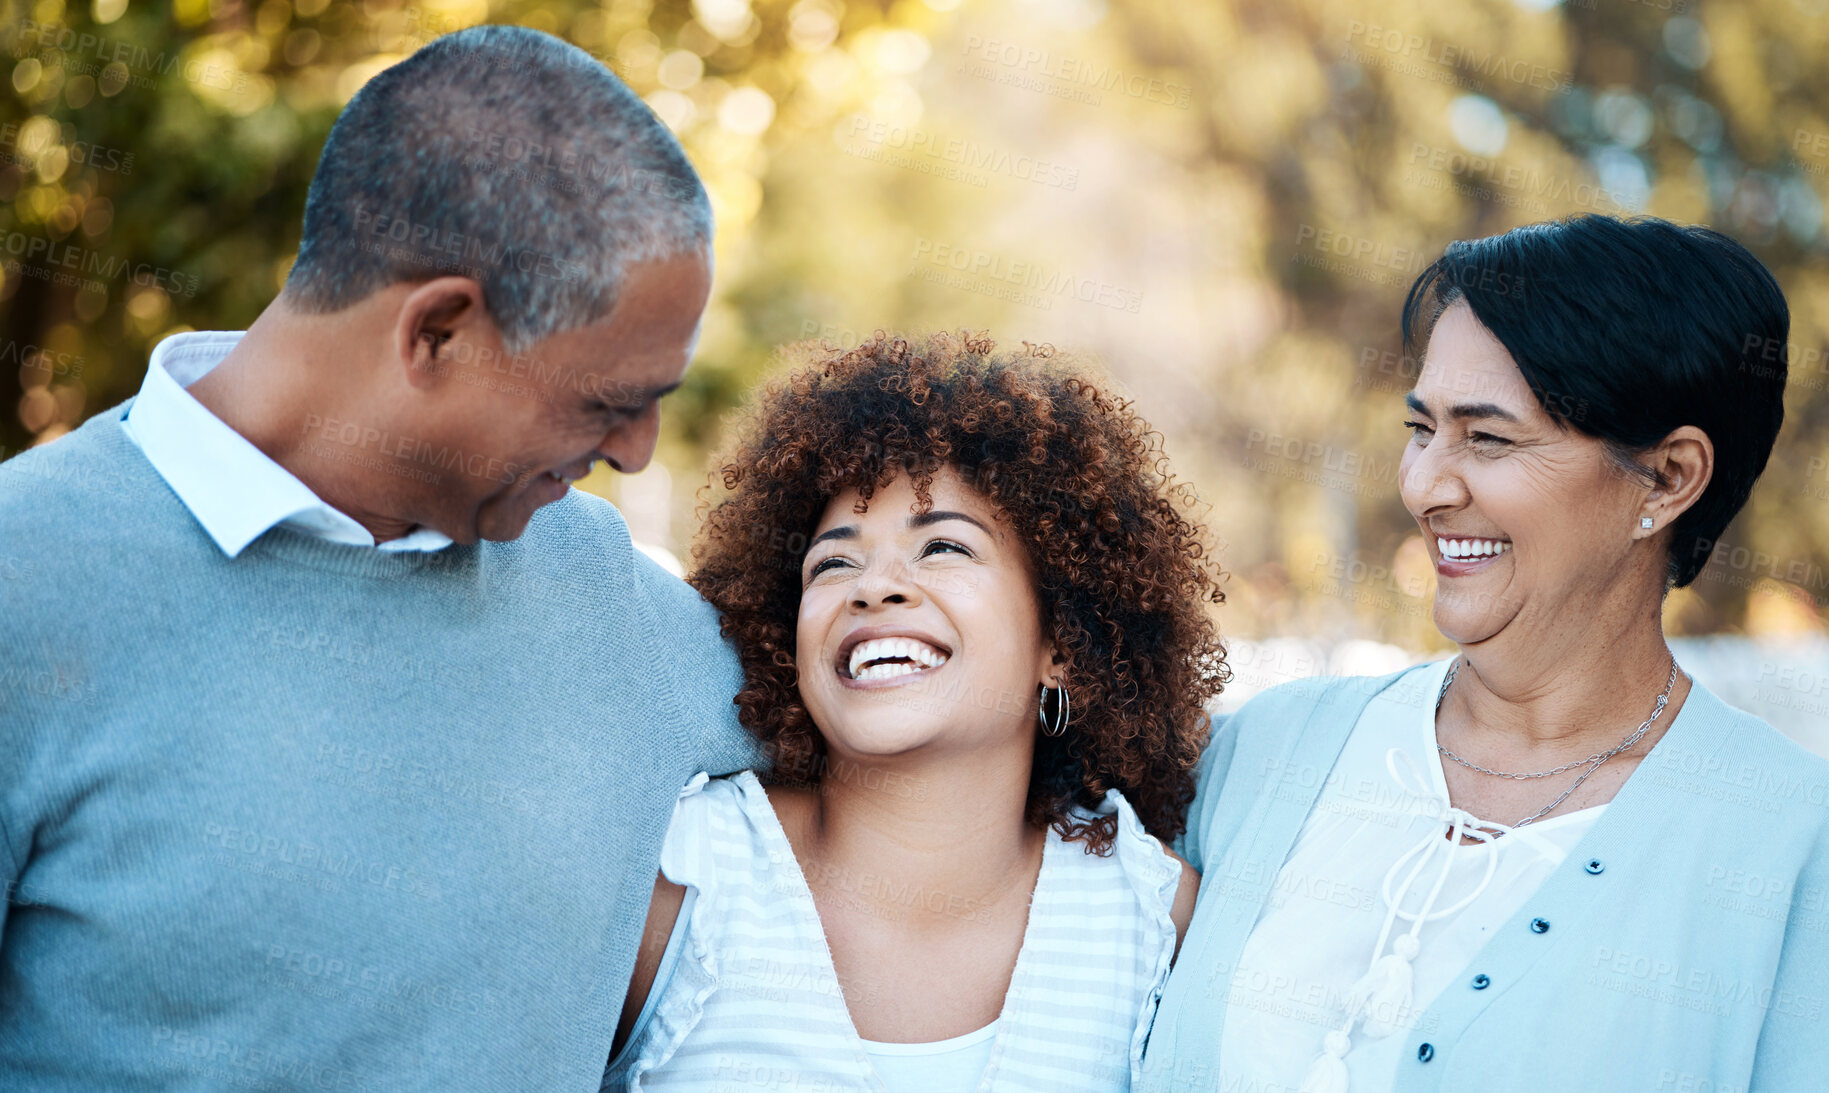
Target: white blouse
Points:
(750, 998)
(955, 1063)
(1375, 912)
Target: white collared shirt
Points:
(233, 489)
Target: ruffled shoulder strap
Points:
(1152, 872)
(713, 822)
(1155, 876)
(714, 847)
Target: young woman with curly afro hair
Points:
(972, 609)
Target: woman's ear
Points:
(1685, 462)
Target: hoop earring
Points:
(1066, 711)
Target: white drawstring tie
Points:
(1383, 995)
(1327, 1074)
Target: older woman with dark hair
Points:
(1554, 861)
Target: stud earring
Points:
(1645, 522)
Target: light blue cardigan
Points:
(1682, 946)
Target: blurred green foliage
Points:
(1221, 203)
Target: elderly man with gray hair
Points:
(365, 726)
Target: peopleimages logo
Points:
(83, 261)
(410, 450)
(1066, 73)
(40, 358)
(136, 58)
(1046, 284)
(1510, 184)
(99, 156)
(430, 244)
(1383, 45)
(963, 154)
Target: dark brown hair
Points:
(1123, 573)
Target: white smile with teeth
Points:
(1471, 548)
(885, 658)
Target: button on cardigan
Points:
(1374, 914)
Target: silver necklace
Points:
(1593, 762)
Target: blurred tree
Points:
(1223, 203)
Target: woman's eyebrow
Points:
(919, 520)
(923, 519)
(1462, 411)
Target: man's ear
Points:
(433, 315)
(1685, 461)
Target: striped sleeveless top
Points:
(753, 1001)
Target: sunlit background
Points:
(1219, 203)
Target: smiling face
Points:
(1530, 524)
(920, 631)
(540, 419)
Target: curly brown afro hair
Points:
(1123, 573)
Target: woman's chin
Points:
(880, 740)
(1464, 628)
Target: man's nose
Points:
(630, 446)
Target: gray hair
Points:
(503, 154)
